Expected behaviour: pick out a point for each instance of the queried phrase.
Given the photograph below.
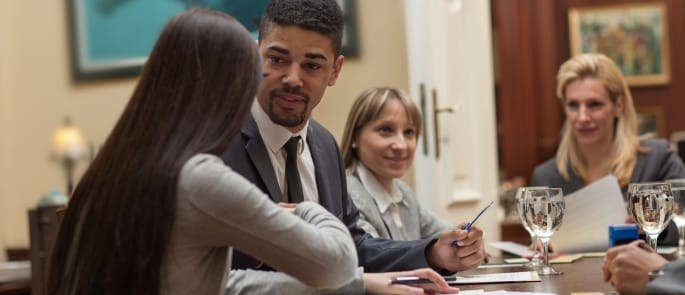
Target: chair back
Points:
(43, 229)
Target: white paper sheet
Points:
(15, 270)
(589, 212)
(506, 277)
(500, 292)
(513, 248)
(504, 292)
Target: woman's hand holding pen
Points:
(379, 283)
(467, 255)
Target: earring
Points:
(354, 145)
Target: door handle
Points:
(436, 126)
(424, 135)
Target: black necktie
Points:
(292, 175)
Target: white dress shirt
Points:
(388, 202)
(275, 136)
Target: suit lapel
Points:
(256, 149)
(321, 171)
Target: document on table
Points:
(512, 247)
(589, 212)
(501, 292)
(15, 270)
(504, 292)
(507, 277)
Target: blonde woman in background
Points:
(600, 133)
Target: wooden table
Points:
(584, 275)
(16, 288)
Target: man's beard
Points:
(289, 119)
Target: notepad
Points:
(506, 277)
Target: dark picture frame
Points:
(112, 38)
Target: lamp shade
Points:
(68, 143)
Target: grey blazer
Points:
(671, 282)
(657, 164)
(419, 223)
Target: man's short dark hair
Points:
(321, 16)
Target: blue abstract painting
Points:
(112, 38)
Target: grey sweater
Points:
(217, 208)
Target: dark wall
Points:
(531, 42)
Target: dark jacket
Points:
(248, 156)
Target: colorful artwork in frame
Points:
(112, 38)
(635, 36)
(651, 121)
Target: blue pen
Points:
(467, 226)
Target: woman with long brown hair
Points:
(157, 211)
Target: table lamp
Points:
(68, 146)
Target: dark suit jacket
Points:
(671, 282)
(248, 156)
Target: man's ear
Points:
(337, 66)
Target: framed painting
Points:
(635, 36)
(651, 121)
(112, 38)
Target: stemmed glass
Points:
(651, 206)
(535, 261)
(678, 189)
(543, 208)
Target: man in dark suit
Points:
(300, 43)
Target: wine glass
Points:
(535, 260)
(678, 189)
(543, 208)
(651, 206)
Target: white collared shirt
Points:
(275, 136)
(387, 201)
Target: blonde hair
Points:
(366, 108)
(625, 144)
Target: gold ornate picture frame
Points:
(635, 36)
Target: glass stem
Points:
(681, 237)
(651, 239)
(535, 246)
(545, 248)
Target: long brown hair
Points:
(193, 96)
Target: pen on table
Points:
(415, 280)
(467, 226)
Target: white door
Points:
(451, 77)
